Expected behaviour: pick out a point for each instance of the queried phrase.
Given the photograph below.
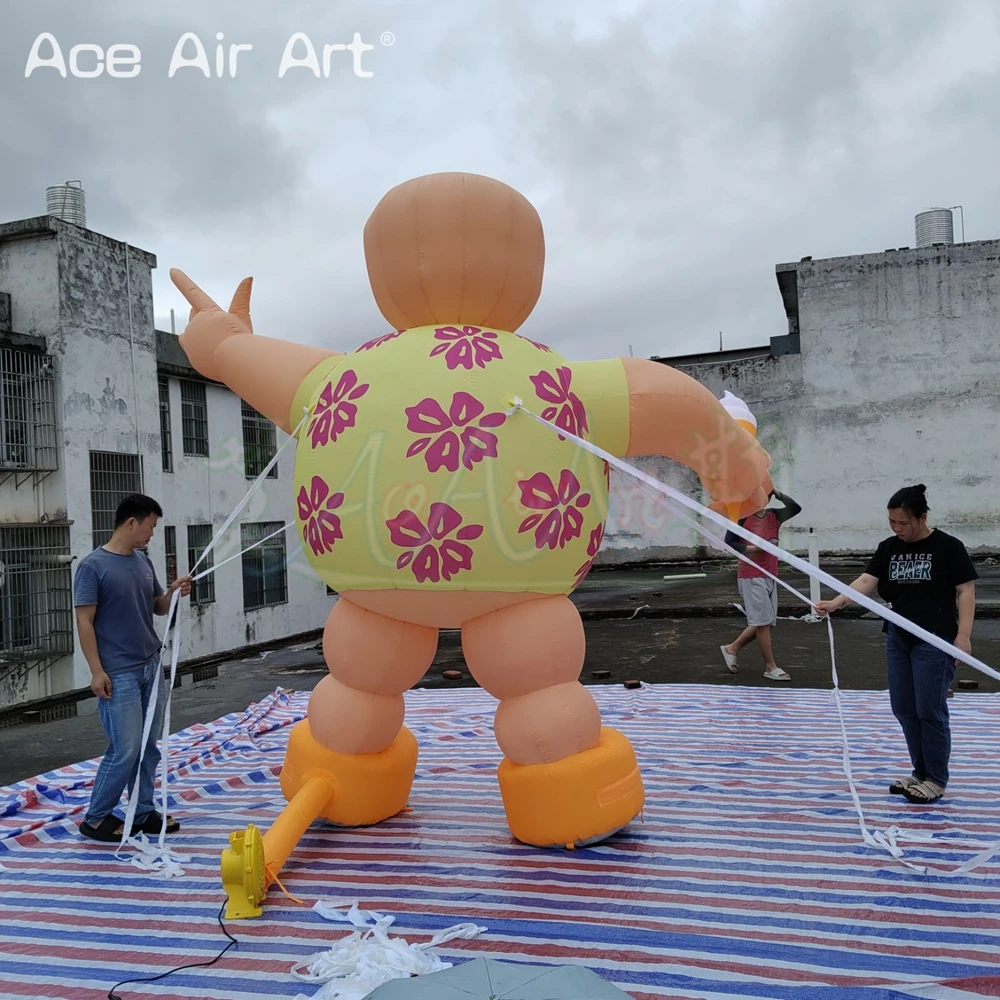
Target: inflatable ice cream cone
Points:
(740, 412)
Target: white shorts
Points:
(760, 600)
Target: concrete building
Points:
(888, 375)
(95, 404)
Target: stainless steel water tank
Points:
(67, 202)
(936, 225)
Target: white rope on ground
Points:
(161, 860)
(889, 839)
(367, 959)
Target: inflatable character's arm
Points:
(673, 415)
(220, 345)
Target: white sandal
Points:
(777, 674)
(924, 792)
(730, 661)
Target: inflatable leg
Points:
(351, 762)
(566, 781)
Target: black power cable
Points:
(112, 995)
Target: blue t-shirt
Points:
(124, 589)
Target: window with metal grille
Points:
(170, 547)
(27, 412)
(36, 593)
(199, 536)
(194, 417)
(166, 439)
(259, 443)
(113, 476)
(265, 572)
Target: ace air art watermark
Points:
(87, 60)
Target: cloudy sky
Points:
(676, 149)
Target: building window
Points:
(265, 573)
(194, 417)
(199, 537)
(113, 476)
(36, 594)
(259, 443)
(166, 440)
(170, 545)
(27, 412)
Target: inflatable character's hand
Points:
(208, 326)
(748, 487)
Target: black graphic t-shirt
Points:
(919, 579)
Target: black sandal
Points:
(153, 823)
(108, 831)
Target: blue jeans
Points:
(919, 678)
(122, 717)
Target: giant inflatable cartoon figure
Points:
(426, 505)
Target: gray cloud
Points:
(149, 150)
(676, 152)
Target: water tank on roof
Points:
(937, 225)
(67, 202)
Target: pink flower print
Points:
(336, 411)
(379, 341)
(534, 343)
(461, 433)
(431, 554)
(596, 537)
(564, 502)
(322, 528)
(465, 347)
(568, 411)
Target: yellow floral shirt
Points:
(409, 474)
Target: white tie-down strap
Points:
(158, 858)
(800, 564)
(364, 960)
(664, 494)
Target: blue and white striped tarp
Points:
(746, 878)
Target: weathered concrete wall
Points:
(898, 382)
(29, 273)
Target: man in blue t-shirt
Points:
(116, 594)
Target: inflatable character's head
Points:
(455, 248)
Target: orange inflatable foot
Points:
(345, 789)
(576, 801)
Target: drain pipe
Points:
(135, 387)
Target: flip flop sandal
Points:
(923, 792)
(153, 822)
(108, 831)
(777, 674)
(899, 787)
(730, 661)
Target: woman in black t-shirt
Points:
(927, 577)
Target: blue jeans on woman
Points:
(919, 678)
(122, 717)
